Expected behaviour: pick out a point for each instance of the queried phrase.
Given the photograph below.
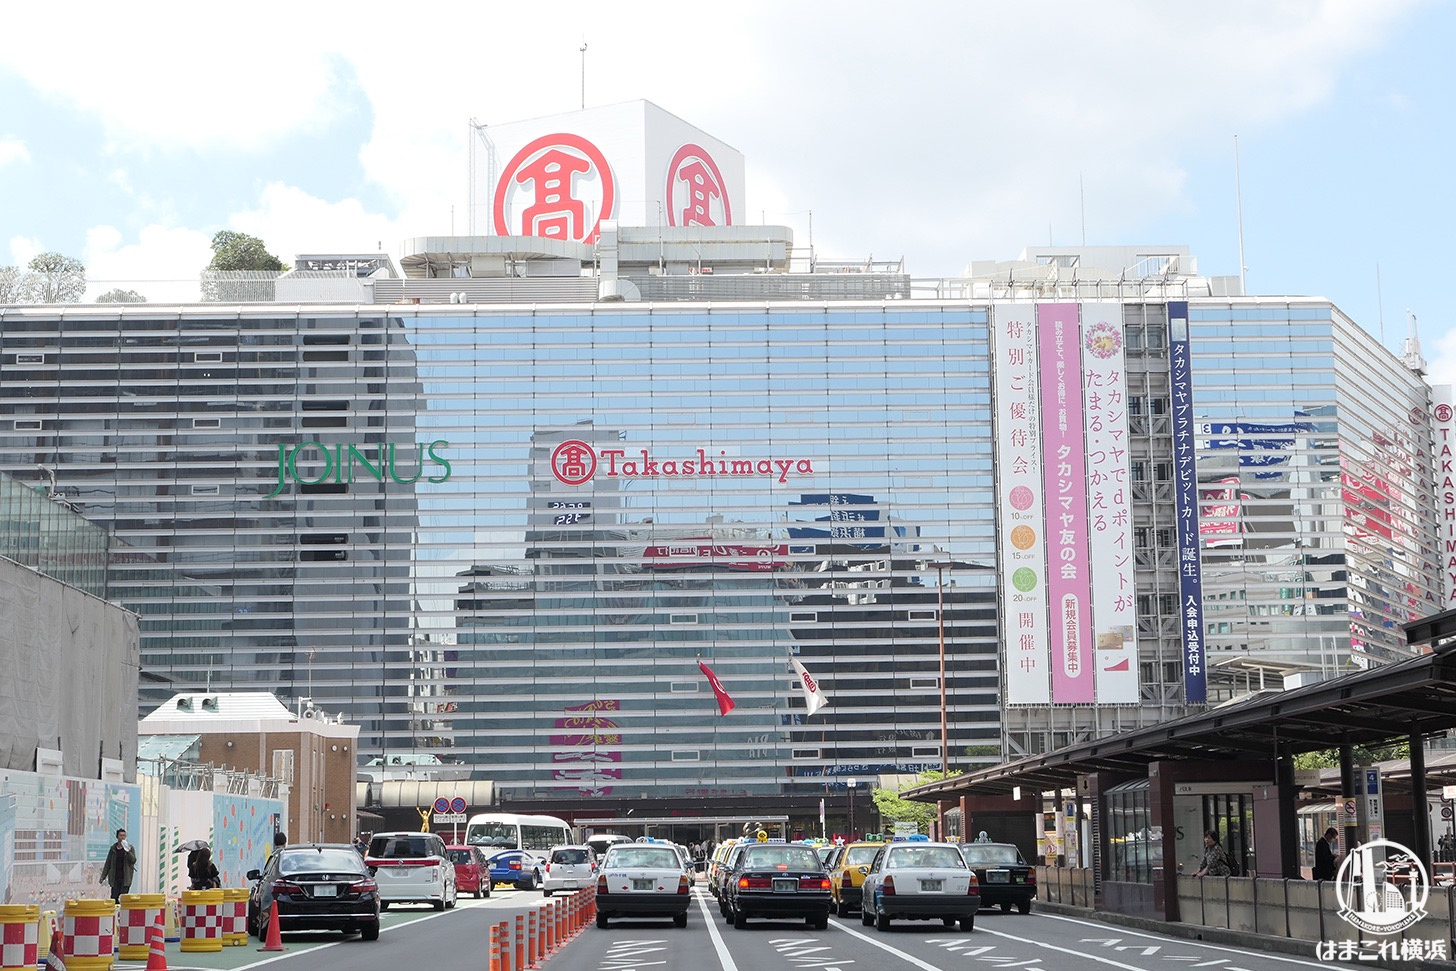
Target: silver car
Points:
(917, 880)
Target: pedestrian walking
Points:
(1215, 858)
(1324, 855)
(120, 866)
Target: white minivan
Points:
(412, 868)
(568, 868)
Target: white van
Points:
(568, 868)
(412, 868)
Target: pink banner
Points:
(1064, 472)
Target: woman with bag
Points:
(1215, 858)
(204, 872)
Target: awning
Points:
(168, 747)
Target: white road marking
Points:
(725, 960)
(1212, 947)
(625, 955)
(910, 958)
(1065, 950)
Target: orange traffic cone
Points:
(275, 935)
(157, 938)
(57, 957)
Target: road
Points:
(458, 940)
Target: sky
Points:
(936, 132)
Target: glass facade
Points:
(387, 514)
(515, 536)
(40, 530)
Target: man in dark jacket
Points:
(120, 866)
(1324, 855)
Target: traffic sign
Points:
(457, 805)
(442, 805)
(1446, 812)
(449, 818)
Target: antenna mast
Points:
(583, 75)
(1239, 200)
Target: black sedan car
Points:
(1006, 878)
(315, 886)
(778, 881)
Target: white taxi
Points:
(920, 881)
(642, 880)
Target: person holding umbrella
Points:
(203, 871)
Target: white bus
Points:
(514, 831)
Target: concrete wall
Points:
(70, 663)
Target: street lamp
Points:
(849, 837)
(940, 567)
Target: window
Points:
(686, 755)
(682, 618)
(1158, 405)
(1163, 471)
(1168, 604)
(1167, 538)
(322, 556)
(683, 687)
(1139, 470)
(803, 616)
(30, 359)
(924, 684)
(921, 615)
(206, 490)
(207, 423)
(1135, 846)
(805, 753)
(27, 424)
(207, 357)
(925, 752)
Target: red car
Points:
(472, 873)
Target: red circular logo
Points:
(696, 194)
(559, 186)
(573, 462)
(1443, 413)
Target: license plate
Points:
(998, 876)
(643, 884)
(932, 886)
(329, 891)
(785, 886)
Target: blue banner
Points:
(1185, 473)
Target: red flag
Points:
(725, 703)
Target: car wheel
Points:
(820, 923)
(968, 924)
(1023, 906)
(865, 917)
(384, 905)
(679, 920)
(545, 892)
(438, 904)
(882, 922)
(948, 921)
(477, 893)
(740, 920)
(370, 931)
(486, 888)
(602, 921)
(1006, 907)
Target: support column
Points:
(1420, 808)
(1288, 814)
(1349, 824)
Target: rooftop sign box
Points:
(560, 176)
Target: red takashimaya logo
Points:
(573, 462)
(559, 186)
(696, 194)
(1443, 412)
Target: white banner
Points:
(1114, 616)
(1019, 503)
(814, 697)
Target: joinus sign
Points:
(404, 464)
(574, 463)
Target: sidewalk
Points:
(1222, 935)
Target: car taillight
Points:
(846, 880)
(363, 886)
(514, 865)
(888, 887)
(548, 867)
(974, 887)
(286, 886)
(813, 883)
(682, 883)
(602, 884)
(1031, 878)
(975, 880)
(754, 883)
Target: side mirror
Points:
(255, 874)
(865, 870)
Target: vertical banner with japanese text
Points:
(1443, 426)
(1109, 506)
(1019, 503)
(1064, 474)
(1185, 476)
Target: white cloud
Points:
(290, 221)
(112, 264)
(23, 249)
(13, 150)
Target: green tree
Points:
(121, 296)
(1329, 758)
(239, 251)
(12, 285)
(53, 278)
(894, 809)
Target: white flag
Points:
(814, 699)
